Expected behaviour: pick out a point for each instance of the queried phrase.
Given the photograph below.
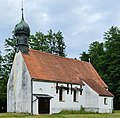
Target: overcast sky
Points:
(81, 21)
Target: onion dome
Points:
(22, 33)
(22, 27)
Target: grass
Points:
(75, 112)
(116, 114)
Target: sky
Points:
(81, 21)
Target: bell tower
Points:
(22, 33)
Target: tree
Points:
(52, 42)
(10, 46)
(0, 64)
(112, 45)
(95, 51)
(38, 42)
(5, 67)
(3, 101)
(60, 44)
(84, 56)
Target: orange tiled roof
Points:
(48, 67)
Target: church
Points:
(42, 83)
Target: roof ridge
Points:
(72, 59)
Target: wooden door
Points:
(43, 106)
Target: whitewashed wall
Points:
(95, 103)
(56, 105)
(105, 108)
(35, 105)
(91, 99)
(19, 87)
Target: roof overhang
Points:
(106, 95)
(43, 80)
(43, 96)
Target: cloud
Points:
(81, 21)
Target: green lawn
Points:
(116, 114)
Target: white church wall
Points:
(11, 91)
(95, 103)
(56, 105)
(105, 104)
(35, 105)
(91, 99)
(19, 87)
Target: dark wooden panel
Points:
(44, 106)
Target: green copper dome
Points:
(22, 33)
(22, 28)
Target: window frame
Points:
(61, 95)
(105, 101)
(75, 96)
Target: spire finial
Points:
(89, 59)
(22, 10)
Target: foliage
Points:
(52, 42)
(84, 57)
(112, 45)
(105, 57)
(2, 88)
(6, 65)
